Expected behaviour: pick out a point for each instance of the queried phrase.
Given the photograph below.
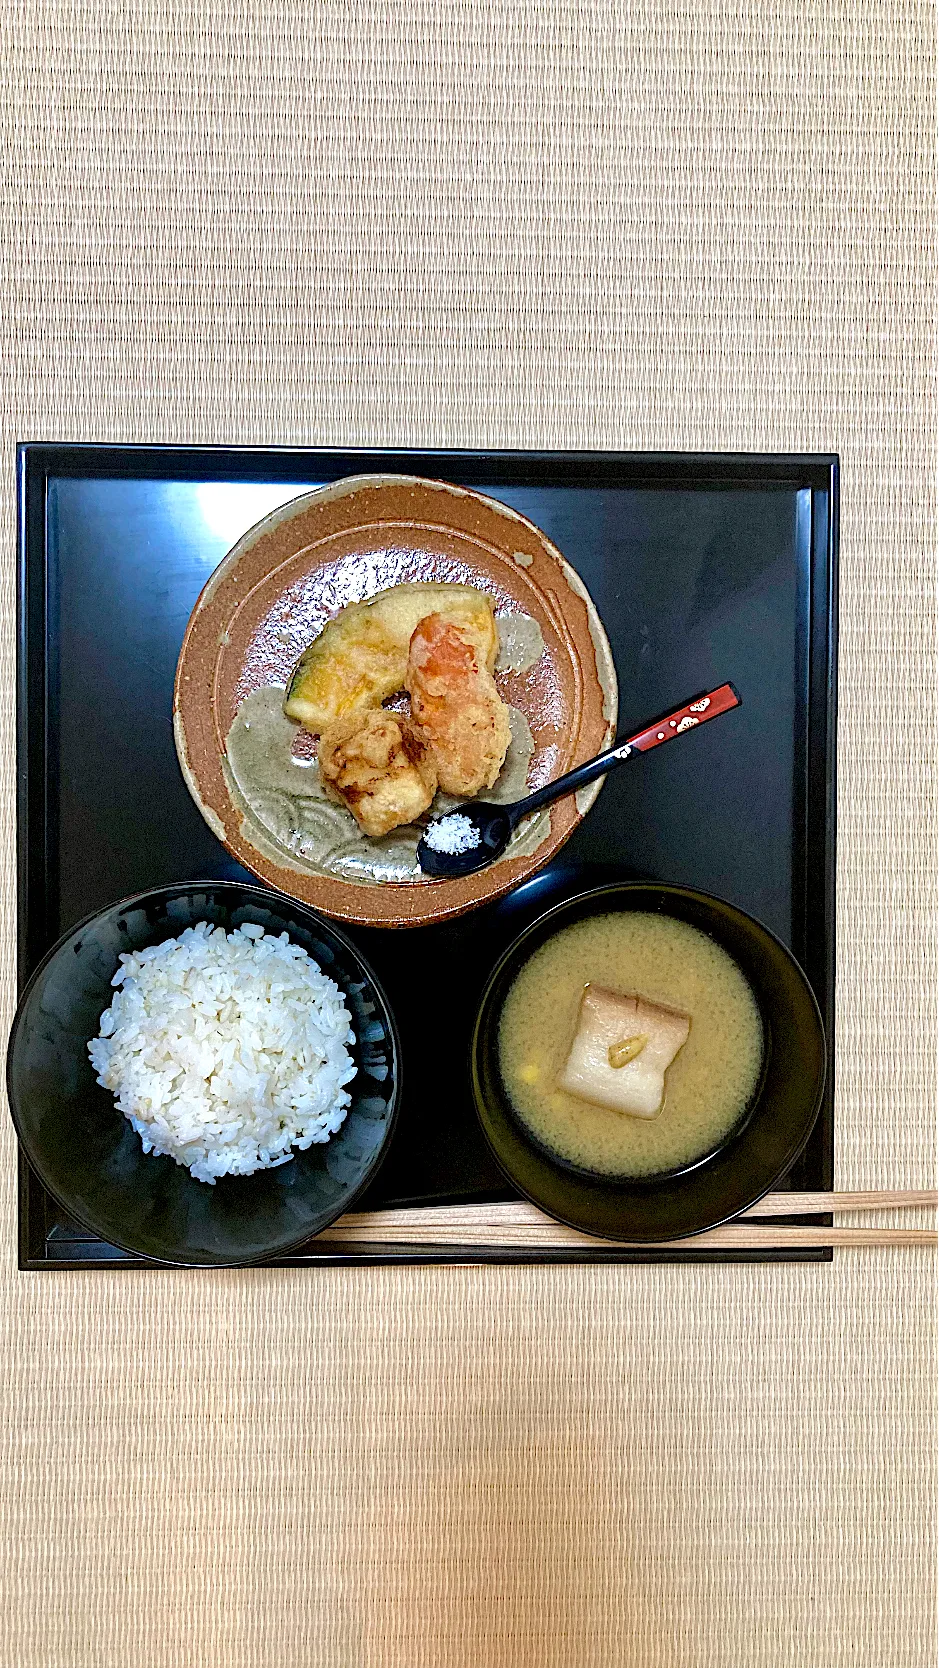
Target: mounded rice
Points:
(226, 1051)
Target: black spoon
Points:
(483, 831)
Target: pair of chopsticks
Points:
(519, 1226)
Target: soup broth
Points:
(708, 1086)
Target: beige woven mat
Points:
(504, 222)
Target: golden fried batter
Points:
(361, 656)
(456, 706)
(377, 764)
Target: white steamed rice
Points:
(226, 1050)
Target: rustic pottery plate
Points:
(252, 771)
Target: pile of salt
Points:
(453, 834)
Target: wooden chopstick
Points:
(819, 1204)
(520, 1226)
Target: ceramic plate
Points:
(273, 594)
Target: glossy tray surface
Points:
(703, 568)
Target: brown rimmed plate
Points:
(276, 589)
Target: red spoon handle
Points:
(685, 718)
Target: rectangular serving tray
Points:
(703, 567)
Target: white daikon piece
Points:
(644, 1036)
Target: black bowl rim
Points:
(176, 889)
(669, 889)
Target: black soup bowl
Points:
(87, 1154)
(758, 1150)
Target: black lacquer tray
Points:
(704, 567)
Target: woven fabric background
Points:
(611, 223)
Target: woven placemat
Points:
(663, 225)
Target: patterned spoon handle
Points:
(675, 723)
(683, 719)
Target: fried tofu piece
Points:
(377, 764)
(456, 705)
(361, 656)
(621, 1051)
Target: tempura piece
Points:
(361, 656)
(621, 1052)
(456, 706)
(377, 764)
